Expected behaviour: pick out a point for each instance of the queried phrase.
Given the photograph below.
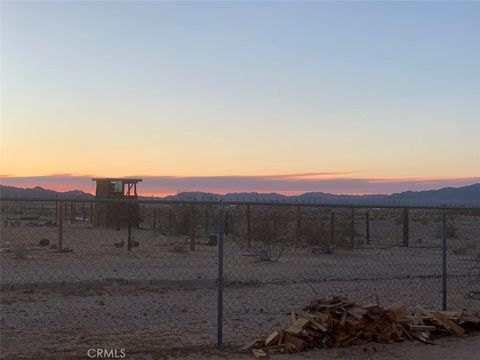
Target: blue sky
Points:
(378, 89)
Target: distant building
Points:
(112, 213)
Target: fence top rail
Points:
(396, 205)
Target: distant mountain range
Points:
(40, 193)
(462, 196)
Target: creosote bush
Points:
(269, 239)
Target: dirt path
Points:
(446, 348)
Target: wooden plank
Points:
(399, 310)
(357, 312)
(302, 323)
(313, 321)
(294, 330)
(422, 327)
(343, 319)
(273, 338)
(259, 354)
(450, 324)
(298, 343)
(254, 343)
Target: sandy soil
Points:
(159, 298)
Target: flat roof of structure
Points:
(125, 180)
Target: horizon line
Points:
(153, 191)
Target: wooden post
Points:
(60, 229)
(119, 210)
(332, 230)
(405, 227)
(129, 239)
(352, 229)
(367, 226)
(170, 215)
(206, 222)
(154, 218)
(275, 221)
(192, 227)
(72, 212)
(56, 209)
(298, 233)
(84, 212)
(227, 223)
(65, 211)
(249, 228)
(91, 212)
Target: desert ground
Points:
(159, 299)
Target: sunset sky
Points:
(241, 96)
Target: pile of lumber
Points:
(339, 322)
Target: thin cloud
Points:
(284, 183)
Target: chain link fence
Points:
(144, 275)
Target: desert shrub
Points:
(268, 238)
(20, 253)
(463, 248)
(182, 218)
(424, 221)
(319, 235)
(317, 230)
(179, 248)
(44, 211)
(452, 232)
(399, 220)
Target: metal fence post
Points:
(154, 217)
(332, 230)
(206, 222)
(221, 220)
(192, 228)
(60, 228)
(249, 236)
(444, 260)
(405, 227)
(298, 227)
(56, 209)
(72, 212)
(170, 216)
(367, 226)
(352, 228)
(129, 239)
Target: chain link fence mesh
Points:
(143, 275)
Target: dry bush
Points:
(317, 230)
(424, 221)
(452, 232)
(269, 239)
(463, 249)
(319, 236)
(399, 220)
(180, 248)
(20, 252)
(182, 218)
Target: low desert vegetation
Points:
(268, 238)
(179, 248)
